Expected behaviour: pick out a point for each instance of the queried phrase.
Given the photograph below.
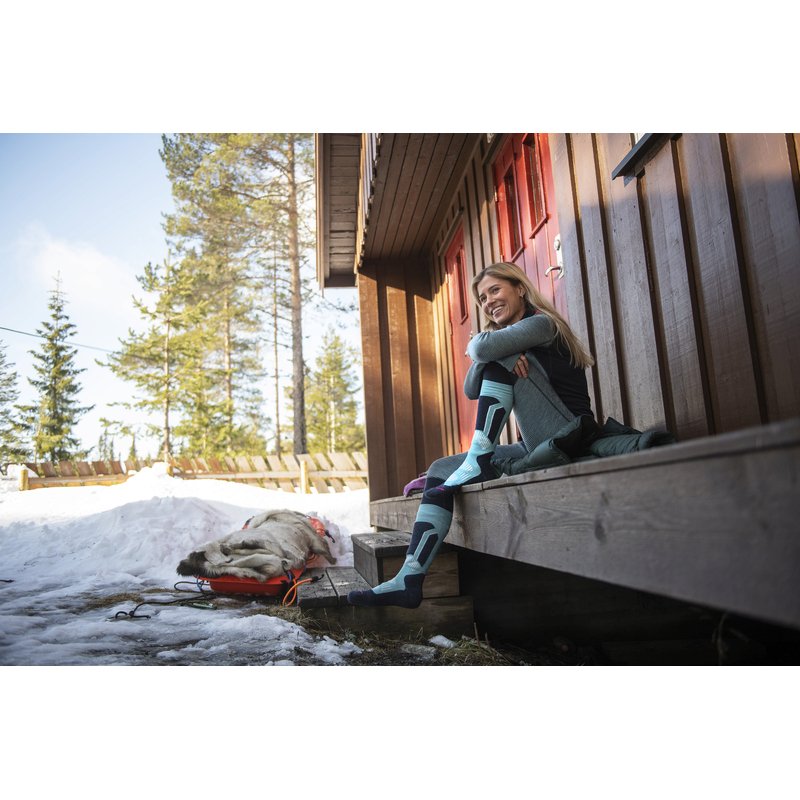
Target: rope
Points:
(199, 584)
(291, 594)
(180, 601)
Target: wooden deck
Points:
(712, 521)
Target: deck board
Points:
(711, 521)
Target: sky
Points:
(90, 208)
(90, 205)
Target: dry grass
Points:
(413, 649)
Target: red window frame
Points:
(507, 202)
(463, 305)
(537, 203)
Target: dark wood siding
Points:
(683, 283)
(686, 279)
(401, 374)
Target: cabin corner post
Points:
(400, 374)
(374, 417)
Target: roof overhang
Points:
(338, 157)
(411, 183)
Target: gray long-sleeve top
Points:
(505, 346)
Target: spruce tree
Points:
(331, 399)
(51, 419)
(11, 447)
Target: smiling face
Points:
(501, 300)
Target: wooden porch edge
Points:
(710, 521)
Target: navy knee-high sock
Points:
(430, 528)
(436, 509)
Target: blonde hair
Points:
(535, 301)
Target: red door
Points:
(459, 294)
(526, 211)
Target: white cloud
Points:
(98, 289)
(98, 286)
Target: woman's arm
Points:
(535, 331)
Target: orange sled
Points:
(228, 584)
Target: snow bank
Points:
(60, 546)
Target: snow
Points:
(65, 551)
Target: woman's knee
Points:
(498, 374)
(445, 467)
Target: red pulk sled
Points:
(228, 584)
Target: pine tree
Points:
(11, 447)
(212, 228)
(165, 356)
(51, 419)
(276, 293)
(244, 212)
(278, 187)
(331, 396)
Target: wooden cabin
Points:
(676, 257)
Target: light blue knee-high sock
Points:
(405, 589)
(494, 406)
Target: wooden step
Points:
(379, 556)
(326, 599)
(329, 588)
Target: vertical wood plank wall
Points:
(693, 270)
(401, 376)
(685, 284)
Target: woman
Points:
(528, 359)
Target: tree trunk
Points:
(298, 376)
(228, 357)
(275, 354)
(167, 389)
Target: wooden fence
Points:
(306, 473)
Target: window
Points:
(512, 212)
(461, 280)
(533, 174)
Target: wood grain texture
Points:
(729, 359)
(390, 164)
(674, 289)
(423, 363)
(402, 452)
(766, 201)
(410, 176)
(450, 174)
(574, 280)
(709, 521)
(448, 616)
(608, 386)
(378, 557)
(638, 348)
(481, 214)
(427, 175)
(374, 409)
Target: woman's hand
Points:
(521, 367)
